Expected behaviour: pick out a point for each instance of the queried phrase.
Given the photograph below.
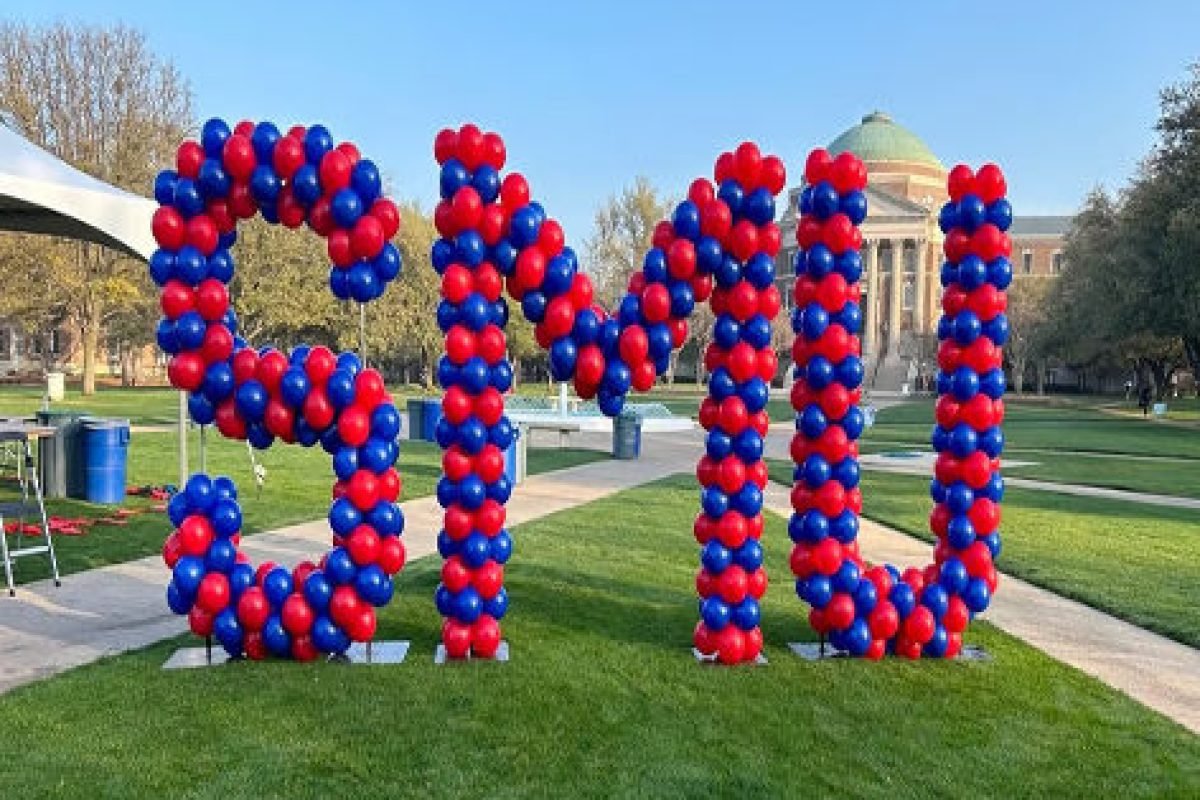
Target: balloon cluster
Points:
(472, 258)
(967, 487)
(849, 601)
(733, 232)
(494, 238)
(309, 396)
(869, 611)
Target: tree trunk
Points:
(1040, 366)
(1191, 351)
(91, 351)
(128, 368)
(516, 368)
(1018, 375)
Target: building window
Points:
(1057, 263)
(1027, 262)
(910, 260)
(910, 295)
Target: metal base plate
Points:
(812, 651)
(193, 657)
(380, 653)
(439, 655)
(759, 661)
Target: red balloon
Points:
(186, 371)
(838, 233)
(827, 556)
(456, 637)
(731, 474)
(318, 411)
(883, 620)
(229, 422)
(731, 645)
(733, 585)
(297, 616)
(303, 649)
(202, 234)
(445, 145)
(847, 173)
(334, 171)
(733, 415)
(288, 157)
(747, 164)
(270, 369)
(514, 191)
(238, 157)
(960, 182)
(840, 611)
(589, 366)
(363, 489)
(560, 317)
(831, 292)
(168, 228)
(488, 579)
(990, 183)
(339, 248)
(743, 240)
(320, 364)
(200, 621)
(391, 554)
(176, 299)
(716, 220)
(551, 238)
(489, 464)
(188, 159)
(213, 594)
(354, 426)
(367, 238)
(531, 268)
(485, 637)
(681, 259)
(253, 609)
(920, 625)
(470, 146)
(489, 406)
(773, 175)
(467, 208)
(369, 390)
(388, 215)
(656, 302)
(494, 152)
(817, 166)
(195, 535)
(456, 405)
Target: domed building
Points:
(902, 250)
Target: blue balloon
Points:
(241, 578)
(716, 613)
(362, 282)
(365, 181)
(374, 585)
(340, 388)
(953, 576)
(317, 142)
(343, 516)
(339, 567)
(750, 555)
(759, 206)
(686, 220)
(563, 354)
(251, 399)
(818, 590)
(276, 638)
(221, 556)
(747, 614)
(960, 533)
(708, 255)
(387, 519)
(902, 598)
(328, 637)
(1000, 214)
(190, 265)
(213, 136)
(977, 596)
(524, 226)
(948, 217)
(200, 493)
(486, 181)
(748, 445)
(263, 139)
(177, 601)
(730, 191)
(935, 598)
(265, 185)
(212, 180)
(971, 212)
(306, 185)
(847, 577)
(277, 585)
(854, 205)
(228, 632)
(164, 187)
(500, 547)
(844, 527)
(225, 517)
(188, 198)
(475, 550)
(866, 596)
(825, 200)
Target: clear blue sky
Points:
(1063, 95)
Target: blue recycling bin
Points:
(431, 415)
(416, 410)
(511, 460)
(106, 454)
(627, 435)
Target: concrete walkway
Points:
(45, 630)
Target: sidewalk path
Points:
(45, 630)
(1152, 669)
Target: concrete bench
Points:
(563, 426)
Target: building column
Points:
(871, 310)
(897, 299)
(919, 288)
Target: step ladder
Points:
(31, 502)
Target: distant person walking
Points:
(1144, 399)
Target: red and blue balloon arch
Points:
(719, 246)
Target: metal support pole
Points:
(204, 449)
(183, 457)
(362, 332)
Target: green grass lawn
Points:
(601, 699)
(297, 489)
(1058, 427)
(1135, 561)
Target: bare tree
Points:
(624, 227)
(99, 99)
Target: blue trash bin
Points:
(106, 453)
(416, 410)
(627, 435)
(511, 469)
(431, 415)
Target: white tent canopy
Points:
(41, 194)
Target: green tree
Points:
(99, 99)
(624, 228)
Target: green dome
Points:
(878, 138)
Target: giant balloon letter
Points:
(871, 611)
(492, 236)
(306, 397)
